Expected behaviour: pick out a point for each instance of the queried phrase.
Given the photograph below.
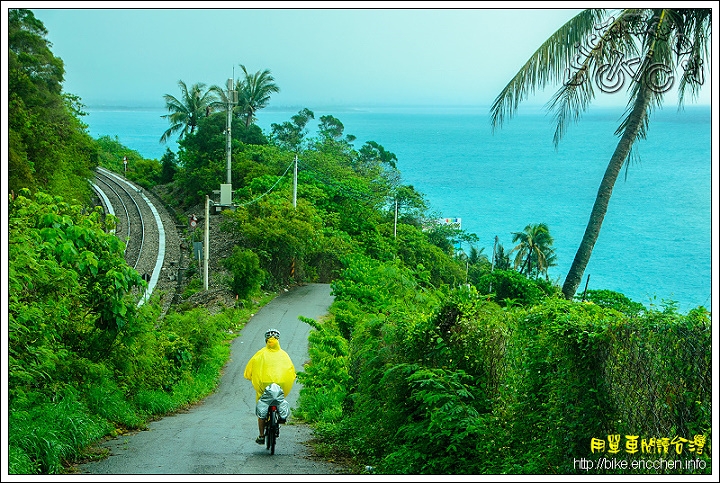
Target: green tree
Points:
(501, 259)
(664, 41)
(374, 162)
(290, 134)
(331, 141)
(69, 289)
(411, 205)
(476, 257)
(185, 113)
(202, 157)
(282, 236)
(533, 253)
(372, 153)
(48, 146)
(247, 276)
(331, 128)
(169, 166)
(254, 92)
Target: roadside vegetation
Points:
(433, 359)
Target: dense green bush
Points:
(509, 287)
(244, 267)
(613, 300)
(447, 382)
(69, 291)
(282, 236)
(325, 382)
(83, 358)
(559, 398)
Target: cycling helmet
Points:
(272, 333)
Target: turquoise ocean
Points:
(655, 241)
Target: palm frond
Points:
(546, 65)
(690, 46)
(574, 96)
(657, 54)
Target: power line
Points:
(326, 179)
(342, 187)
(270, 190)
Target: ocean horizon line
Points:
(371, 107)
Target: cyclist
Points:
(269, 365)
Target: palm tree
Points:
(591, 46)
(501, 259)
(254, 92)
(533, 253)
(477, 256)
(184, 113)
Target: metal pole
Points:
(295, 184)
(586, 286)
(396, 211)
(228, 144)
(492, 267)
(207, 241)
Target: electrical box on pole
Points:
(225, 194)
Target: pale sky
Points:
(355, 53)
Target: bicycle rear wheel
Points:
(273, 430)
(270, 430)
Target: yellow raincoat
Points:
(270, 364)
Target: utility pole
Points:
(492, 266)
(295, 184)
(231, 101)
(207, 242)
(396, 211)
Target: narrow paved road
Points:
(217, 436)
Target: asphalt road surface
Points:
(217, 436)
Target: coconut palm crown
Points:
(184, 113)
(255, 90)
(534, 253)
(646, 51)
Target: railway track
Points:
(127, 209)
(140, 226)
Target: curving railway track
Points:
(143, 226)
(126, 208)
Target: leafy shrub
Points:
(558, 399)
(325, 379)
(244, 265)
(510, 287)
(432, 420)
(613, 300)
(284, 237)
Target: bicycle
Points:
(272, 427)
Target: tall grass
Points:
(48, 430)
(44, 436)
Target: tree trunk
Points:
(597, 215)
